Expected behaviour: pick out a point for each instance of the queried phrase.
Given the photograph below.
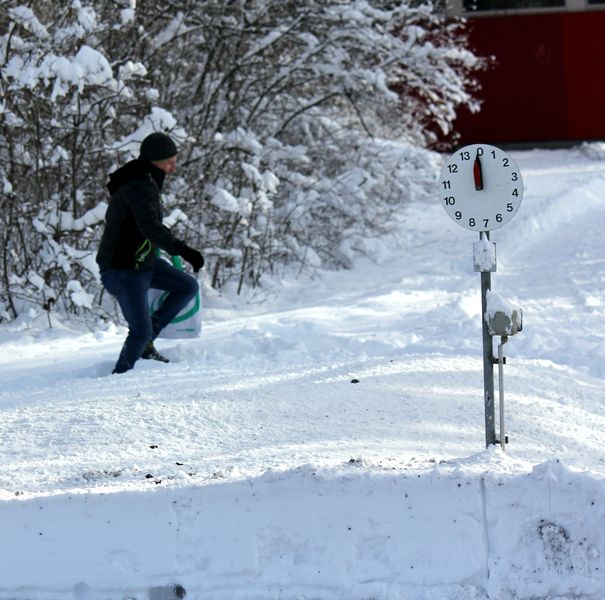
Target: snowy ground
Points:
(252, 467)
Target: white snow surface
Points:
(253, 467)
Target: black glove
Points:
(193, 257)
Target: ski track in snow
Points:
(260, 418)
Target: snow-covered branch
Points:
(302, 129)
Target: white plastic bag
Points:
(188, 323)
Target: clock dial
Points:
(481, 187)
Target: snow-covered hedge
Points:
(301, 124)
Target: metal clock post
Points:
(481, 189)
(485, 267)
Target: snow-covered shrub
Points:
(62, 104)
(303, 94)
(302, 127)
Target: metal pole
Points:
(503, 341)
(488, 362)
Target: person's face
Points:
(168, 165)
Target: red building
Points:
(547, 84)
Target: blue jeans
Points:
(130, 289)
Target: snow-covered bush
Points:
(62, 104)
(302, 127)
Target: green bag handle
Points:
(177, 261)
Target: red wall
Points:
(548, 83)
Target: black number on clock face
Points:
(452, 168)
(472, 222)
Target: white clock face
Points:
(481, 187)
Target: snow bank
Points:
(351, 533)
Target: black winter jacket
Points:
(133, 221)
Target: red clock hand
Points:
(478, 174)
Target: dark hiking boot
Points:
(150, 353)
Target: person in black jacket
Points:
(127, 255)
